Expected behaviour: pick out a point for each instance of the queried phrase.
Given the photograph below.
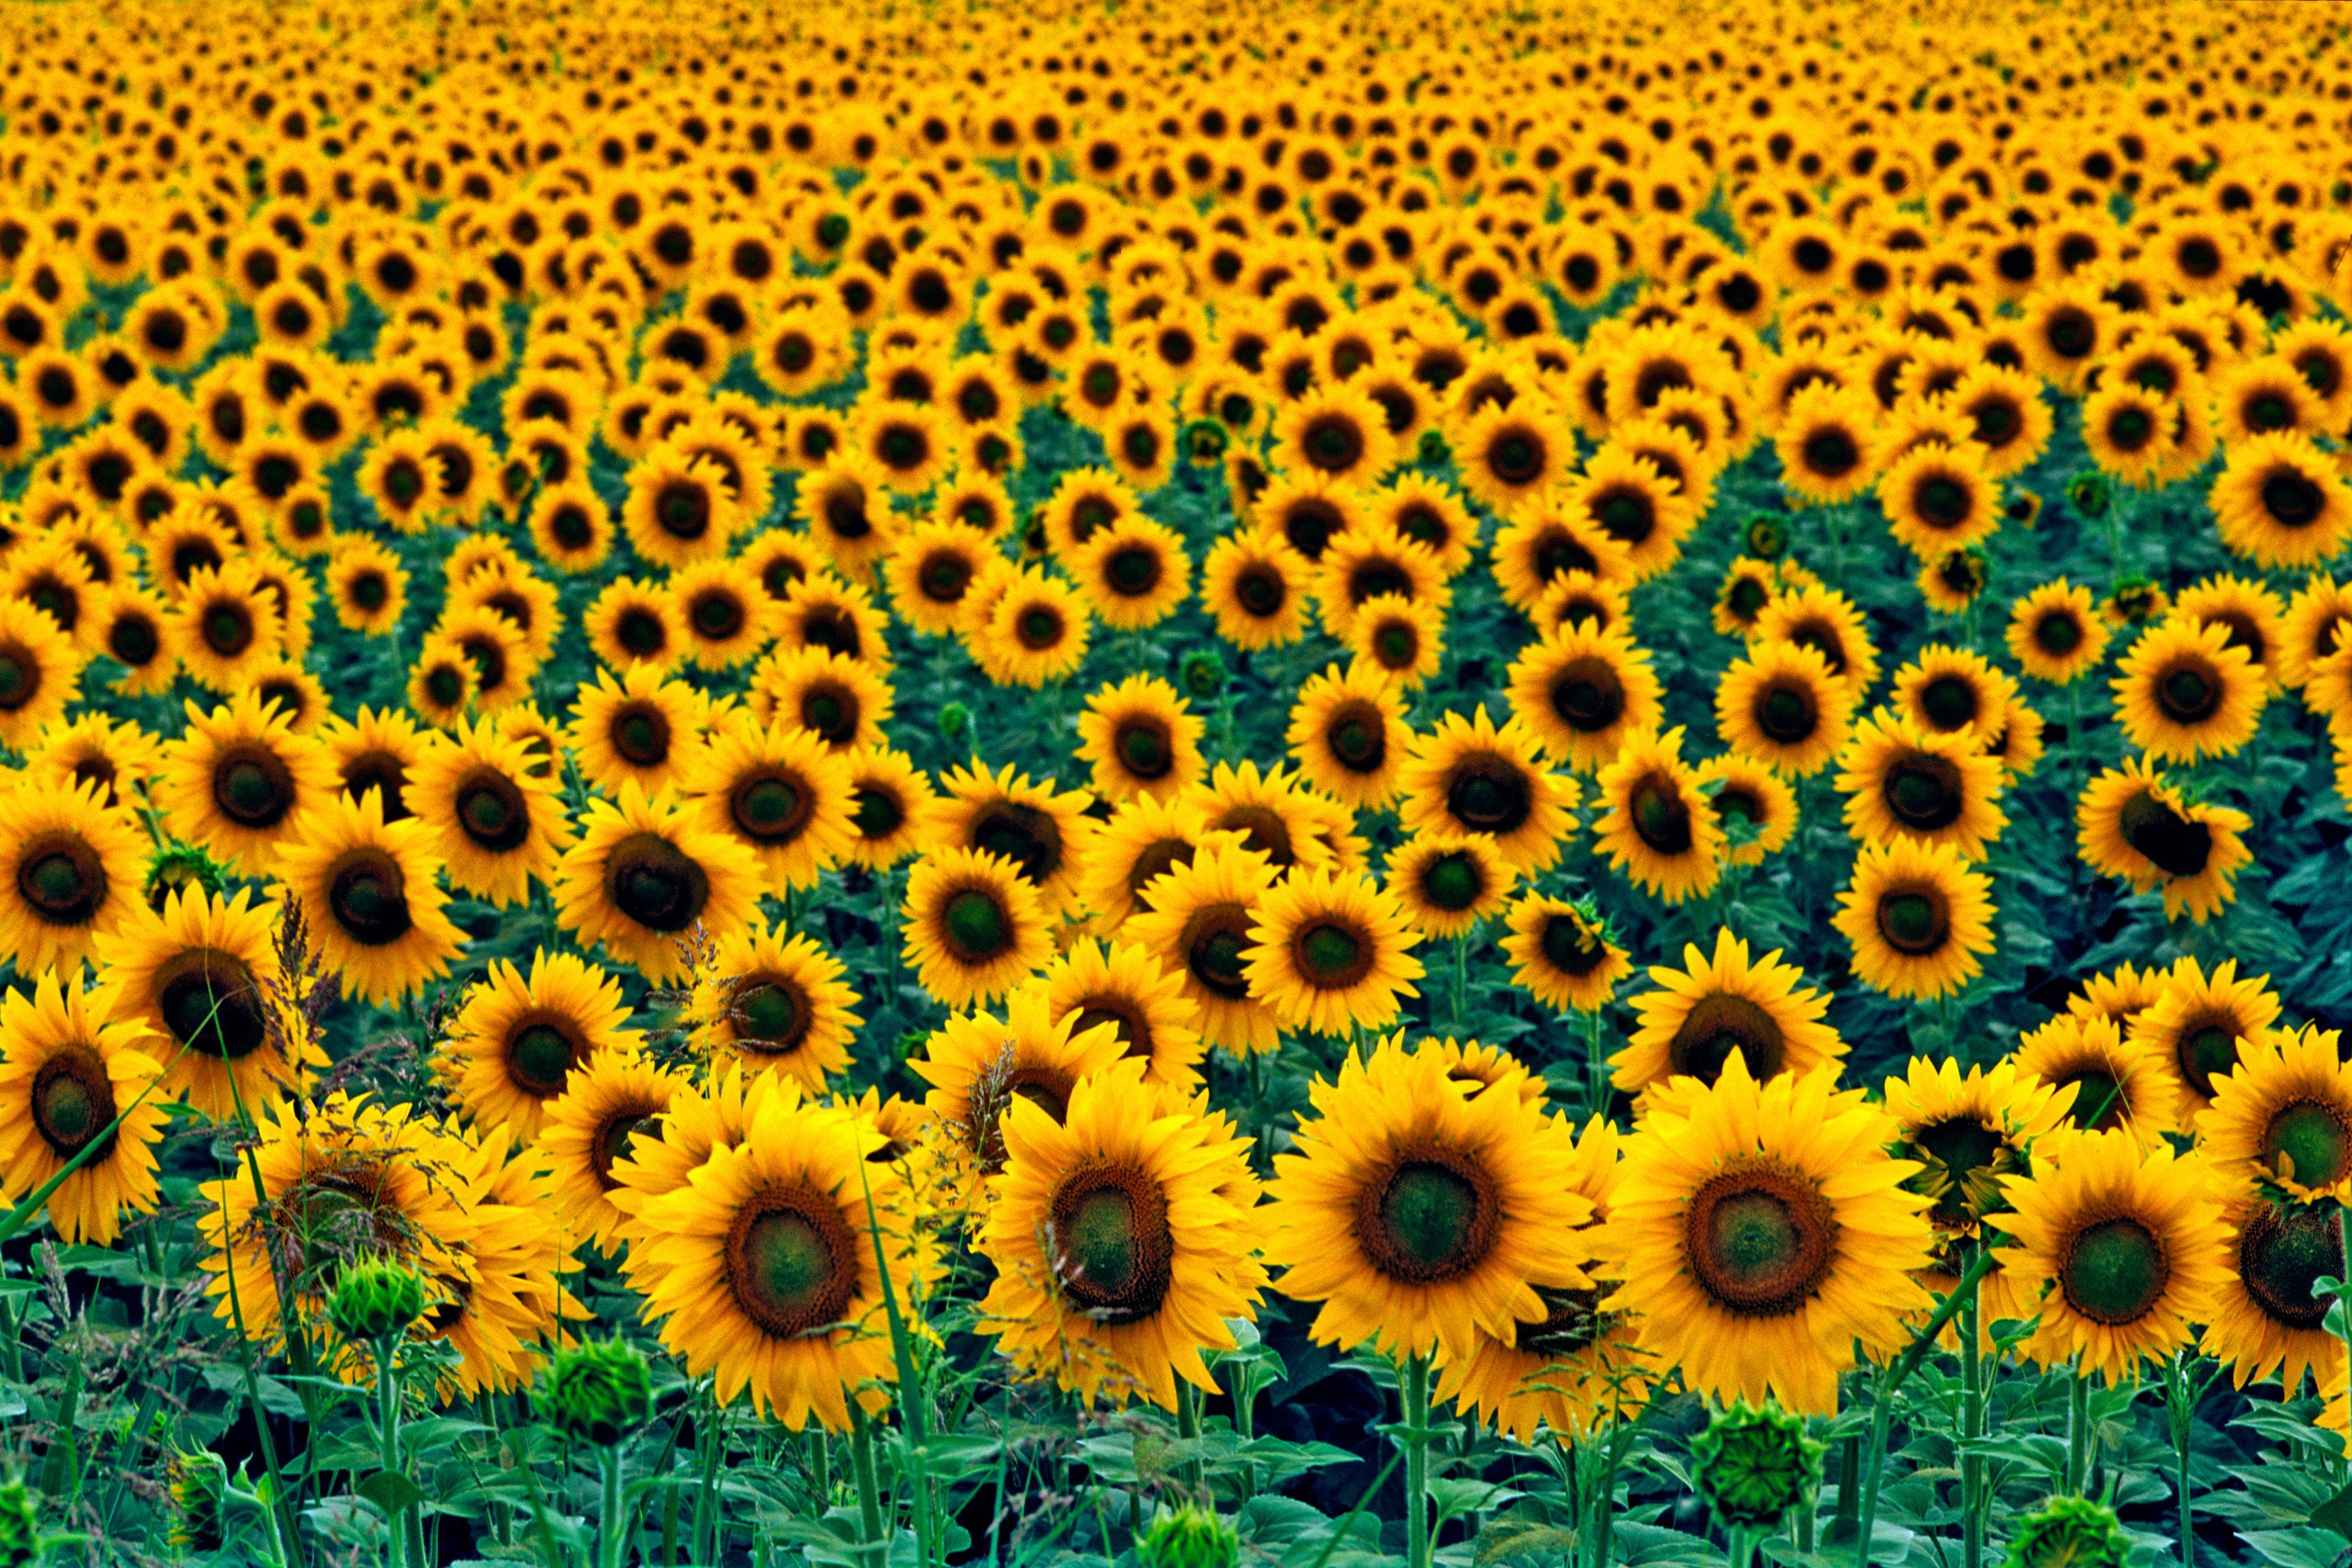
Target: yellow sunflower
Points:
(614, 1098)
(1121, 1236)
(2195, 1024)
(2284, 1115)
(1446, 883)
(1141, 740)
(41, 672)
(1044, 831)
(1468, 776)
(65, 1075)
(1122, 984)
(2132, 823)
(1713, 1009)
(492, 817)
(1780, 705)
(2118, 1084)
(1561, 953)
(1420, 1215)
(1762, 1231)
(1585, 691)
(2280, 502)
(841, 700)
(1037, 632)
(775, 1002)
(2125, 1245)
(1903, 782)
(641, 728)
(1254, 585)
(1820, 617)
(1917, 917)
(1195, 917)
(974, 928)
(2184, 693)
(69, 872)
(1659, 830)
(1328, 953)
(644, 876)
(1349, 734)
(979, 1064)
(765, 1269)
(2266, 1319)
(516, 1039)
(888, 797)
(2056, 634)
(203, 974)
(781, 792)
(241, 782)
(371, 895)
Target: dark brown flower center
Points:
(655, 883)
(367, 895)
(1112, 1251)
(1759, 1242)
(792, 1263)
(61, 879)
(1432, 1214)
(1718, 1025)
(2114, 1271)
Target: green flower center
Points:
(2208, 1054)
(768, 809)
(1759, 1242)
(1132, 573)
(655, 883)
(1145, 749)
(64, 882)
(2114, 1271)
(769, 1014)
(1660, 817)
(2058, 634)
(1912, 922)
(1949, 703)
(2283, 1250)
(210, 1003)
(1787, 715)
(1571, 949)
(1331, 955)
(793, 1265)
(2188, 696)
(538, 1059)
(976, 925)
(1924, 792)
(1434, 1218)
(1719, 1025)
(1453, 882)
(2309, 1142)
(492, 812)
(368, 900)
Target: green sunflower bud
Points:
(199, 1483)
(599, 1392)
(2088, 493)
(1753, 1465)
(1190, 1537)
(1433, 449)
(954, 721)
(2070, 1531)
(1767, 535)
(1203, 441)
(375, 1298)
(20, 1529)
(1204, 674)
(178, 868)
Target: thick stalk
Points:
(388, 1435)
(1972, 1419)
(869, 1486)
(1882, 1419)
(709, 1449)
(613, 1524)
(2180, 1395)
(2078, 1431)
(1188, 1428)
(1849, 1503)
(1416, 1386)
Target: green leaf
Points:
(2297, 1548)
(391, 1492)
(2335, 1513)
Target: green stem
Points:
(2078, 1430)
(1898, 1371)
(1882, 1418)
(1972, 1422)
(869, 1488)
(387, 1388)
(709, 1449)
(1188, 1428)
(1849, 1502)
(1415, 1380)
(1461, 982)
(613, 1525)
(2180, 1397)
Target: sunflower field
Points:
(1175, 784)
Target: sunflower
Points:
(1826, 621)
(1120, 1235)
(1901, 781)
(202, 975)
(1402, 639)
(1967, 1132)
(1338, 432)
(371, 892)
(491, 817)
(839, 701)
(1780, 704)
(1364, 565)
(1540, 545)
(65, 1075)
(2266, 1319)
(1659, 829)
(121, 760)
(641, 729)
(1037, 631)
(1713, 1009)
(1950, 583)
(888, 797)
(1936, 498)
(504, 1310)
(1420, 1215)
(570, 526)
(1140, 740)
(978, 1064)
(1469, 777)
(631, 625)
(134, 629)
(41, 672)
(645, 875)
(70, 870)
(2124, 1246)
(1143, 837)
(2184, 693)
(1349, 734)
(1761, 1231)
(240, 782)
(1580, 1368)
(1514, 453)
(2284, 1115)
(1585, 691)
(1561, 953)
(614, 1098)
(775, 1002)
(368, 585)
(1042, 831)
(1125, 985)
(1196, 915)
(322, 1185)
(1133, 573)
(1952, 691)
(1446, 883)
(1823, 444)
(2056, 634)
(515, 1040)
(1755, 808)
(2279, 503)
(779, 791)
(1329, 954)
(2253, 616)
(2195, 1024)
(679, 510)
(2118, 1082)
(769, 1269)
(975, 926)
(1427, 512)
(931, 572)
(1917, 917)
